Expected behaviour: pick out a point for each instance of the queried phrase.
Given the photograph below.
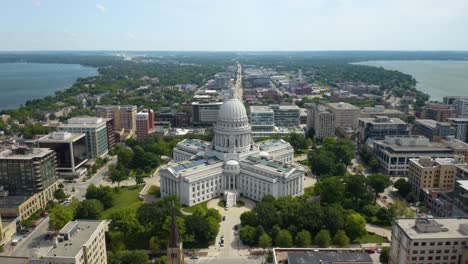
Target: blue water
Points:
(436, 78)
(20, 82)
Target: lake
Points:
(436, 78)
(20, 82)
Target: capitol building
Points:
(232, 165)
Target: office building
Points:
(205, 113)
(380, 110)
(458, 147)
(432, 129)
(14, 260)
(438, 240)
(262, 118)
(346, 115)
(320, 256)
(79, 242)
(24, 206)
(379, 127)
(71, 152)
(95, 129)
(426, 173)
(145, 123)
(286, 115)
(27, 171)
(123, 116)
(394, 152)
(461, 106)
(438, 112)
(450, 100)
(460, 128)
(322, 121)
(460, 199)
(232, 164)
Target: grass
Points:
(192, 209)
(309, 190)
(154, 190)
(125, 197)
(371, 238)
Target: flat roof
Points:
(260, 108)
(463, 184)
(383, 120)
(35, 153)
(272, 143)
(76, 241)
(430, 123)
(55, 138)
(13, 201)
(13, 260)
(342, 105)
(450, 228)
(272, 165)
(312, 257)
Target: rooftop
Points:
(80, 236)
(437, 228)
(463, 184)
(271, 143)
(23, 153)
(85, 121)
(61, 137)
(342, 105)
(13, 260)
(271, 165)
(430, 123)
(320, 257)
(13, 201)
(260, 108)
(384, 120)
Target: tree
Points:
(311, 217)
(335, 219)
(402, 186)
(284, 239)
(118, 174)
(378, 182)
(59, 217)
(104, 194)
(60, 195)
(374, 164)
(133, 257)
(249, 218)
(125, 221)
(303, 239)
(199, 227)
(248, 235)
(264, 241)
(89, 209)
(214, 214)
(355, 226)
(323, 238)
(341, 239)
(331, 190)
(384, 255)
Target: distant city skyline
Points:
(222, 25)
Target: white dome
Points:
(232, 110)
(232, 163)
(263, 154)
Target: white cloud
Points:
(36, 3)
(130, 35)
(69, 34)
(101, 8)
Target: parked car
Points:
(224, 218)
(194, 257)
(370, 251)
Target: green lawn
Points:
(192, 209)
(125, 197)
(371, 238)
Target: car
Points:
(225, 208)
(370, 251)
(379, 250)
(236, 227)
(224, 218)
(221, 244)
(194, 257)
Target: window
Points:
(447, 243)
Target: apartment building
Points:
(380, 110)
(432, 129)
(322, 120)
(205, 113)
(26, 171)
(145, 123)
(380, 127)
(438, 112)
(424, 241)
(286, 115)
(123, 116)
(460, 128)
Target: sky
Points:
(233, 25)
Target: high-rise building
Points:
(145, 122)
(71, 152)
(450, 100)
(346, 115)
(460, 127)
(27, 171)
(461, 106)
(286, 115)
(95, 129)
(262, 118)
(379, 127)
(432, 129)
(424, 241)
(322, 121)
(438, 112)
(460, 199)
(123, 116)
(79, 242)
(205, 113)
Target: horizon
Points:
(262, 25)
